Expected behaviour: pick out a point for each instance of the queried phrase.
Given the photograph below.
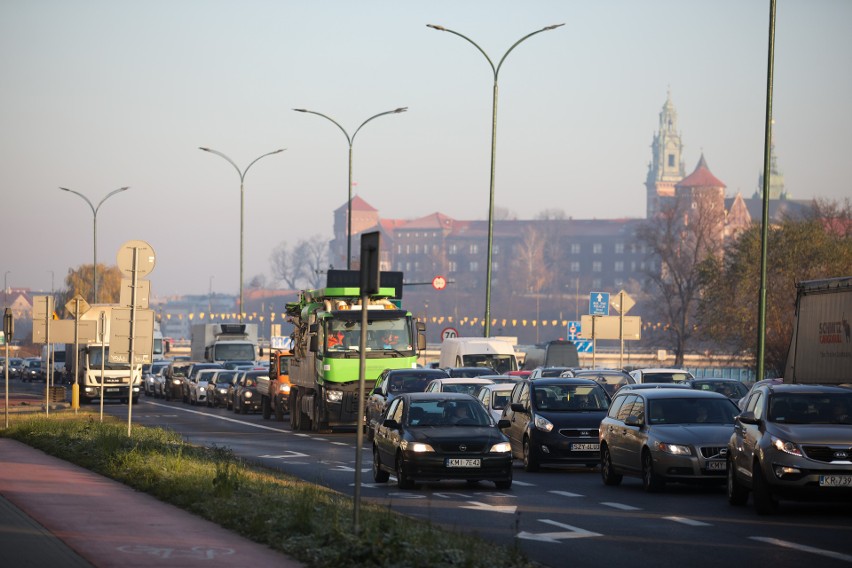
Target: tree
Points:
(79, 281)
(687, 232)
(530, 273)
(303, 266)
(816, 246)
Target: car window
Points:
(395, 408)
(624, 411)
(616, 406)
(638, 409)
(755, 404)
(499, 400)
(691, 411)
(524, 395)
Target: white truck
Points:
(821, 344)
(93, 358)
(498, 354)
(56, 354)
(223, 342)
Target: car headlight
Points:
(416, 447)
(248, 394)
(674, 449)
(176, 381)
(282, 388)
(501, 448)
(543, 423)
(223, 391)
(333, 396)
(786, 447)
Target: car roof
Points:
(662, 370)
(417, 396)
(464, 380)
(649, 386)
(561, 381)
(499, 386)
(419, 372)
(675, 393)
(798, 387)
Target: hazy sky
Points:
(101, 94)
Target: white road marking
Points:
(690, 522)
(285, 456)
(565, 493)
(522, 483)
(217, 417)
(803, 548)
(570, 532)
(477, 506)
(621, 506)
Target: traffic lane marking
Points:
(803, 548)
(690, 522)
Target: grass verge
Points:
(310, 523)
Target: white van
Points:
(478, 352)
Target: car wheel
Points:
(379, 475)
(737, 493)
(279, 409)
(530, 460)
(764, 502)
(504, 484)
(402, 480)
(607, 472)
(651, 481)
(243, 409)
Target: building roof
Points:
(358, 204)
(434, 221)
(701, 177)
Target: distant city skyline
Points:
(104, 94)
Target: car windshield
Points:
(691, 411)
(448, 413)
(665, 377)
(731, 389)
(569, 397)
(414, 382)
(810, 408)
(470, 389)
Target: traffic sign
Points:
(584, 346)
(599, 304)
(439, 283)
(607, 327)
(77, 306)
(145, 259)
(448, 333)
(619, 299)
(575, 329)
(280, 342)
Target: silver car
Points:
(664, 435)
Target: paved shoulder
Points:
(111, 525)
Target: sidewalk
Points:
(54, 513)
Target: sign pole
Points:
(47, 312)
(103, 359)
(594, 342)
(75, 388)
(135, 280)
(8, 332)
(621, 327)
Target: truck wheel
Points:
(294, 415)
(279, 408)
(264, 408)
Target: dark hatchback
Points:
(555, 421)
(392, 383)
(440, 436)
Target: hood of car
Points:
(694, 434)
(443, 435)
(573, 418)
(834, 434)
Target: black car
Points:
(555, 421)
(469, 372)
(174, 375)
(610, 379)
(440, 436)
(217, 388)
(390, 384)
(731, 388)
(32, 370)
(245, 396)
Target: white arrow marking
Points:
(803, 548)
(287, 455)
(571, 532)
(347, 468)
(477, 506)
(690, 522)
(600, 298)
(621, 506)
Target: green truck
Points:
(325, 367)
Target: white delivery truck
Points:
(821, 344)
(498, 354)
(223, 342)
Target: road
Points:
(556, 516)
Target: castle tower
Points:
(776, 179)
(666, 168)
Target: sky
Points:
(101, 94)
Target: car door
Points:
(747, 436)
(387, 439)
(518, 419)
(635, 436)
(617, 432)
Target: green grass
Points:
(308, 522)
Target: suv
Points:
(661, 375)
(791, 441)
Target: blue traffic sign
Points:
(584, 346)
(599, 304)
(574, 330)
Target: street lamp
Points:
(496, 71)
(351, 140)
(5, 287)
(242, 175)
(95, 233)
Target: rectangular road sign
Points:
(62, 331)
(575, 330)
(42, 307)
(119, 336)
(606, 327)
(583, 346)
(599, 304)
(143, 292)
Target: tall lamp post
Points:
(496, 71)
(6, 287)
(351, 140)
(242, 175)
(95, 233)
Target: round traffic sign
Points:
(439, 283)
(145, 258)
(449, 332)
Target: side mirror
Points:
(517, 407)
(313, 346)
(748, 417)
(391, 424)
(503, 424)
(632, 420)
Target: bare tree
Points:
(530, 273)
(687, 231)
(285, 267)
(303, 266)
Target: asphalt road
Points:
(556, 516)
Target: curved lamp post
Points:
(95, 233)
(242, 175)
(496, 71)
(351, 140)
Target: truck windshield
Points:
(235, 352)
(500, 363)
(382, 334)
(95, 359)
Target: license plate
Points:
(112, 389)
(716, 466)
(835, 480)
(463, 462)
(585, 447)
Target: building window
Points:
(416, 249)
(496, 249)
(596, 266)
(451, 266)
(619, 282)
(671, 160)
(597, 248)
(596, 284)
(575, 267)
(495, 266)
(398, 249)
(619, 266)
(407, 249)
(575, 248)
(474, 266)
(453, 249)
(619, 248)
(474, 248)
